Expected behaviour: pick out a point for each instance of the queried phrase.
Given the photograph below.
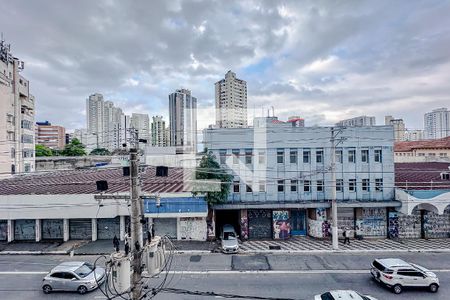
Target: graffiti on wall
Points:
(244, 225)
(193, 229)
(321, 214)
(281, 225)
(393, 225)
(435, 225)
(318, 228)
(373, 222)
(409, 226)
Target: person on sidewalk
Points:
(116, 243)
(346, 234)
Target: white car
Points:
(229, 241)
(343, 295)
(397, 274)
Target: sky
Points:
(322, 60)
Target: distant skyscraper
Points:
(159, 132)
(183, 121)
(231, 102)
(141, 122)
(52, 136)
(414, 135)
(357, 121)
(437, 124)
(399, 127)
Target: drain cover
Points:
(274, 247)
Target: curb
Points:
(56, 252)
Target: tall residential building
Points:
(159, 132)
(141, 122)
(437, 123)
(17, 109)
(183, 121)
(231, 102)
(357, 121)
(413, 135)
(399, 127)
(51, 136)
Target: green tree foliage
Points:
(209, 169)
(42, 150)
(100, 151)
(74, 148)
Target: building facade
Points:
(399, 127)
(437, 124)
(17, 108)
(51, 136)
(183, 121)
(357, 121)
(141, 122)
(282, 178)
(413, 135)
(231, 102)
(159, 132)
(423, 151)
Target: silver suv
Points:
(397, 274)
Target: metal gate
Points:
(108, 228)
(24, 230)
(52, 229)
(165, 226)
(80, 229)
(3, 230)
(298, 219)
(259, 223)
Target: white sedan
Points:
(343, 295)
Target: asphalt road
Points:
(287, 276)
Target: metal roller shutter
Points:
(107, 228)
(259, 223)
(80, 229)
(24, 230)
(166, 226)
(3, 230)
(52, 229)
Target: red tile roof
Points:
(84, 182)
(421, 176)
(443, 143)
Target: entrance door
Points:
(298, 220)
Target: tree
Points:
(100, 151)
(209, 169)
(42, 150)
(74, 148)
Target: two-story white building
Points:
(282, 178)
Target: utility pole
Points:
(334, 229)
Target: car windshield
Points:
(420, 268)
(229, 236)
(327, 296)
(84, 270)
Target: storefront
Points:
(259, 223)
(52, 229)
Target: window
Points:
(235, 186)
(293, 156)
(248, 156)
(366, 185)
(262, 186)
(409, 272)
(351, 156)
(378, 155)
(339, 185)
(379, 184)
(248, 187)
(261, 157)
(442, 154)
(365, 156)
(307, 186)
(57, 275)
(13, 152)
(319, 156)
(281, 185)
(280, 156)
(26, 124)
(320, 185)
(339, 156)
(235, 156)
(306, 156)
(352, 185)
(223, 156)
(293, 185)
(27, 139)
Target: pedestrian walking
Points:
(346, 234)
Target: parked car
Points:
(343, 295)
(73, 276)
(229, 239)
(397, 274)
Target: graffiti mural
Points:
(193, 229)
(373, 222)
(435, 225)
(318, 229)
(393, 225)
(281, 225)
(244, 225)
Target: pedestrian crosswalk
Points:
(300, 244)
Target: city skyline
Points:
(308, 56)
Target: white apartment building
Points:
(437, 123)
(283, 171)
(17, 109)
(413, 135)
(231, 102)
(159, 132)
(183, 121)
(141, 122)
(358, 121)
(399, 127)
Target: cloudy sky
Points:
(323, 60)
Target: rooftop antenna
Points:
(273, 111)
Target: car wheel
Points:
(82, 290)
(47, 289)
(397, 289)
(434, 287)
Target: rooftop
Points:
(422, 175)
(443, 143)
